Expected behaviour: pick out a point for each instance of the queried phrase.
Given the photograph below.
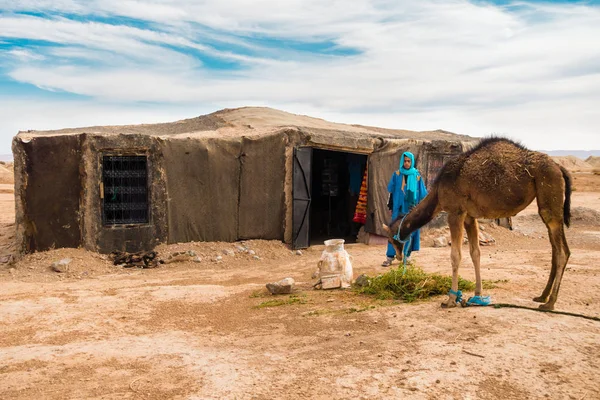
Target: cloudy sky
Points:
(525, 69)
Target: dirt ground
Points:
(197, 330)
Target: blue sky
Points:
(525, 69)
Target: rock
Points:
(191, 253)
(485, 239)
(284, 286)
(256, 257)
(197, 259)
(298, 252)
(217, 258)
(440, 242)
(329, 282)
(61, 266)
(440, 221)
(229, 252)
(251, 252)
(362, 281)
(465, 240)
(178, 256)
(240, 249)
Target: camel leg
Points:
(472, 228)
(544, 296)
(560, 257)
(456, 222)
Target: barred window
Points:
(125, 183)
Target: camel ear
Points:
(386, 228)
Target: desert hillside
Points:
(572, 163)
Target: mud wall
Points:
(106, 238)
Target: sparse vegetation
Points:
(259, 293)
(292, 299)
(352, 310)
(492, 284)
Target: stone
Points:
(218, 258)
(197, 259)
(362, 281)
(485, 239)
(440, 242)
(178, 256)
(251, 252)
(229, 252)
(298, 252)
(61, 266)
(240, 249)
(191, 253)
(256, 257)
(331, 282)
(284, 286)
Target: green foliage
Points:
(414, 285)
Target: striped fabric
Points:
(360, 213)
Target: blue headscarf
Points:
(411, 175)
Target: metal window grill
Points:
(125, 181)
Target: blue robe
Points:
(402, 203)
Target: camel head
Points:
(390, 232)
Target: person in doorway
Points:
(406, 191)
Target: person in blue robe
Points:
(406, 191)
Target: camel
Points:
(496, 179)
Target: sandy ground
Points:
(196, 330)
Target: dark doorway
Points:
(336, 178)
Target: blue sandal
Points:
(479, 301)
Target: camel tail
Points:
(568, 191)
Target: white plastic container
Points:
(335, 261)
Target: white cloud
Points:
(25, 55)
(531, 72)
